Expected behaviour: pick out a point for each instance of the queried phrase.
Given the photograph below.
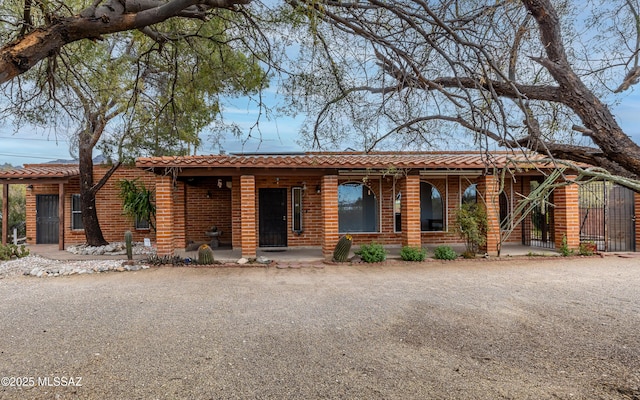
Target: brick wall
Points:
(248, 215)
(567, 215)
(108, 204)
(208, 206)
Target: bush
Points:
(472, 226)
(12, 251)
(444, 253)
(587, 249)
(372, 253)
(413, 253)
(564, 248)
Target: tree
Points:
(160, 84)
(513, 73)
(509, 72)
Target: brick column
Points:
(329, 207)
(248, 225)
(636, 214)
(488, 186)
(410, 211)
(179, 216)
(5, 212)
(164, 215)
(567, 215)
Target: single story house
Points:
(306, 200)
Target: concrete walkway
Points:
(292, 254)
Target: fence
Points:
(607, 216)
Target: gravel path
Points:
(537, 328)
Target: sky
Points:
(33, 145)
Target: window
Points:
(357, 208)
(142, 224)
(76, 213)
(470, 195)
(296, 209)
(431, 210)
(397, 209)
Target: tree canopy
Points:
(532, 74)
(523, 74)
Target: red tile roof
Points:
(39, 171)
(431, 160)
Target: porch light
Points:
(318, 189)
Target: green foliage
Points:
(472, 226)
(587, 249)
(17, 208)
(564, 248)
(11, 251)
(137, 201)
(341, 251)
(413, 253)
(444, 253)
(205, 255)
(175, 261)
(128, 241)
(372, 253)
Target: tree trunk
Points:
(92, 230)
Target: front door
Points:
(272, 205)
(47, 220)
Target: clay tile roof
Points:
(40, 171)
(344, 160)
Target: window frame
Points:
(377, 210)
(75, 212)
(443, 204)
(296, 209)
(138, 227)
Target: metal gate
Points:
(538, 227)
(273, 217)
(47, 220)
(607, 216)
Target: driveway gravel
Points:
(521, 328)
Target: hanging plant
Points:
(137, 201)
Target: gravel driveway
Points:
(537, 328)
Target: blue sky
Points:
(34, 145)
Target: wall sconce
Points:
(277, 181)
(208, 194)
(304, 186)
(30, 187)
(318, 189)
(219, 183)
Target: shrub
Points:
(587, 249)
(564, 248)
(472, 226)
(372, 253)
(444, 253)
(413, 253)
(12, 251)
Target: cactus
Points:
(341, 252)
(128, 241)
(205, 255)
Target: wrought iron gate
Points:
(538, 227)
(607, 216)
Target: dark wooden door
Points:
(272, 205)
(47, 219)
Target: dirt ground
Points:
(523, 328)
